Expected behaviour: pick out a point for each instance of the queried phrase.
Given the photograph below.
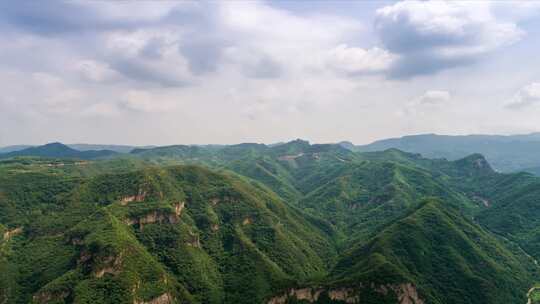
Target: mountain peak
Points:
(347, 145)
(299, 141)
(475, 164)
(56, 145)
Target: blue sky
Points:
(254, 71)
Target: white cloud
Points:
(94, 71)
(148, 57)
(527, 96)
(261, 71)
(429, 101)
(435, 35)
(149, 102)
(260, 21)
(354, 60)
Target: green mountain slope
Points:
(431, 255)
(369, 195)
(448, 258)
(181, 234)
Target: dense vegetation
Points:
(252, 223)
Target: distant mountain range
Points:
(58, 150)
(81, 147)
(505, 153)
(115, 148)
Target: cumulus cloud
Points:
(431, 36)
(527, 96)
(355, 60)
(149, 56)
(148, 101)
(179, 64)
(95, 71)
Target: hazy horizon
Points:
(261, 142)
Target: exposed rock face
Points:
(101, 265)
(406, 294)
(279, 299)
(484, 201)
(156, 217)
(112, 266)
(48, 297)
(133, 198)
(290, 157)
(100, 273)
(178, 207)
(247, 221)
(165, 298)
(307, 294)
(194, 240)
(11, 233)
(346, 295)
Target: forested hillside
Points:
(250, 223)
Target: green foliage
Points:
(243, 223)
(193, 254)
(449, 259)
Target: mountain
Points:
(177, 235)
(435, 255)
(115, 148)
(505, 153)
(82, 147)
(431, 255)
(58, 150)
(252, 223)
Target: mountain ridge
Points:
(507, 153)
(58, 150)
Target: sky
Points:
(159, 73)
